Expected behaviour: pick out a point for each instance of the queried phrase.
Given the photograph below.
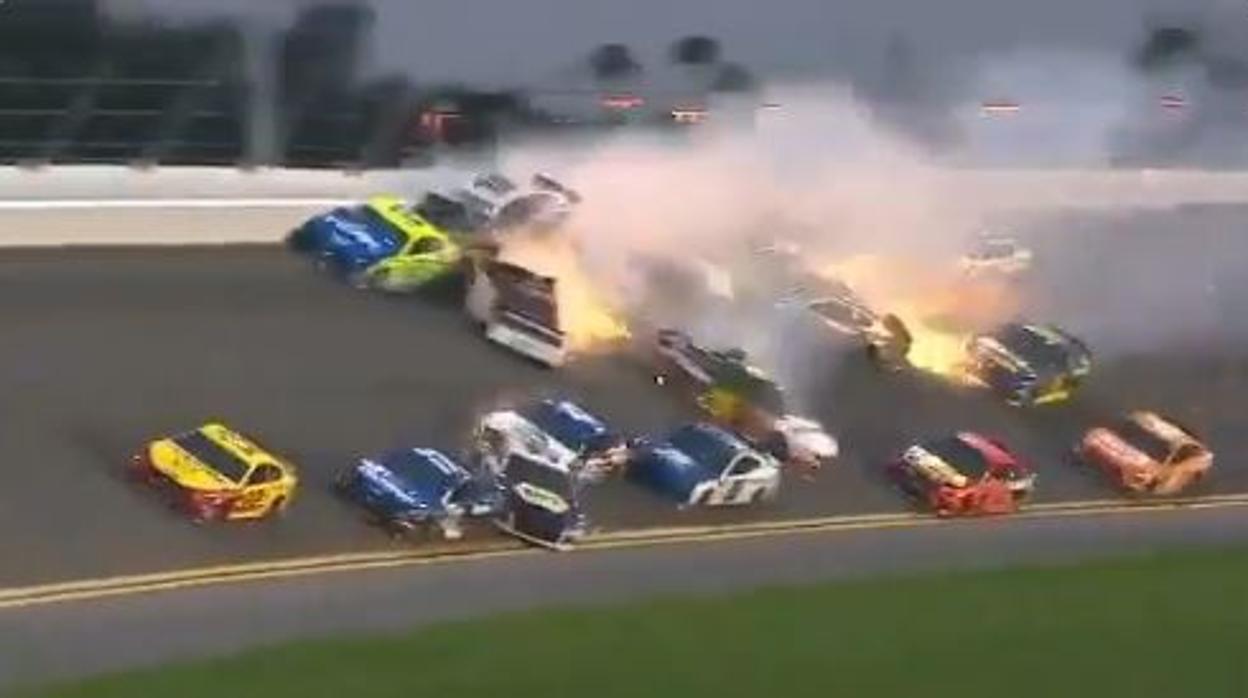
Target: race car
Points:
(1028, 364)
(215, 474)
(420, 489)
(491, 203)
(885, 336)
(383, 244)
(742, 397)
(704, 465)
(517, 308)
(1145, 453)
(543, 502)
(966, 474)
(995, 254)
(556, 431)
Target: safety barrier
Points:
(105, 205)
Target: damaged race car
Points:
(491, 203)
(966, 474)
(516, 308)
(743, 398)
(886, 339)
(543, 502)
(420, 490)
(995, 254)
(1028, 364)
(556, 431)
(381, 245)
(1145, 453)
(705, 465)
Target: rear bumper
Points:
(548, 353)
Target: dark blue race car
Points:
(543, 503)
(421, 489)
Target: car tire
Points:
(298, 240)
(342, 481)
(364, 281)
(276, 509)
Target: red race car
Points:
(966, 474)
(1145, 453)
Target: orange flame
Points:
(584, 314)
(939, 309)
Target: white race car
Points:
(493, 203)
(557, 432)
(996, 254)
(517, 309)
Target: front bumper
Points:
(187, 502)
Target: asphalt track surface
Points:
(70, 640)
(105, 348)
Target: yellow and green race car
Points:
(216, 474)
(390, 244)
(383, 244)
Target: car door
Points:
(421, 261)
(262, 488)
(741, 481)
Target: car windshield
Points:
(705, 445)
(447, 214)
(845, 313)
(213, 455)
(425, 471)
(1143, 440)
(382, 237)
(537, 474)
(957, 453)
(993, 249)
(568, 424)
(1032, 346)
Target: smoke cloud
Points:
(885, 212)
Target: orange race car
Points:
(1146, 454)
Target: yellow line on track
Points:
(92, 589)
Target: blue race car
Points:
(704, 465)
(421, 489)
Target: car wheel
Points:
(364, 281)
(276, 509)
(342, 482)
(299, 240)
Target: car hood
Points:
(341, 234)
(388, 487)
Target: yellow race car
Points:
(213, 473)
